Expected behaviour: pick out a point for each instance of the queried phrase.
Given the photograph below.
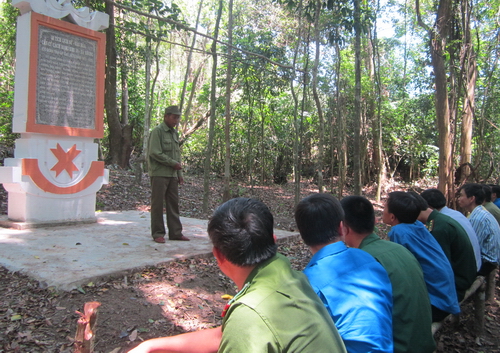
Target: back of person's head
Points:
(421, 202)
(496, 190)
(359, 214)
(403, 206)
(487, 193)
(473, 189)
(434, 198)
(318, 218)
(242, 230)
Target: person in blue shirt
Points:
(401, 212)
(495, 194)
(353, 286)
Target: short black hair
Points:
(403, 206)
(242, 230)
(421, 202)
(473, 189)
(487, 193)
(318, 218)
(358, 214)
(434, 197)
(495, 189)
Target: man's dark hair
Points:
(421, 202)
(359, 214)
(473, 189)
(495, 189)
(403, 206)
(487, 193)
(318, 218)
(434, 198)
(242, 230)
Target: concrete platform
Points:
(68, 256)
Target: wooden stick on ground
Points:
(85, 326)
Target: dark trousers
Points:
(486, 268)
(165, 189)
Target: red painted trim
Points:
(31, 169)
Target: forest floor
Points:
(175, 297)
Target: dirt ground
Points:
(172, 298)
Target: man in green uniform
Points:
(165, 171)
(411, 312)
(275, 310)
(455, 243)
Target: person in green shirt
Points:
(455, 243)
(275, 310)
(411, 313)
(165, 171)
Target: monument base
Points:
(28, 208)
(5, 222)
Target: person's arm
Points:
(203, 341)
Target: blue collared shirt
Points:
(438, 274)
(357, 292)
(488, 233)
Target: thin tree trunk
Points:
(110, 103)
(227, 163)
(357, 100)
(316, 97)
(190, 55)
(213, 108)
(470, 72)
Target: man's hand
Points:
(203, 341)
(181, 180)
(177, 166)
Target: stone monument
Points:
(58, 110)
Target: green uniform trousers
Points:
(165, 189)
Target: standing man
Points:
(165, 170)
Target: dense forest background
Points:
(347, 93)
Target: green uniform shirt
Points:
(457, 247)
(277, 311)
(411, 311)
(493, 209)
(164, 152)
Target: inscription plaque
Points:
(66, 79)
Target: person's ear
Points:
(218, 256)
(343, 230)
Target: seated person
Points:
(436, 200)
(495, 195)
(490, 206)
(411, 312)
(354, 287)
(455, 244)
(471, 197)
(275, 310)
(401, 211)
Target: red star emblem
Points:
(65, 160)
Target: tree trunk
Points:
(188, 68)
(321, 131)
(213, 108)
(227, 163)
(357, 101)
(110, 103)
(468, 58)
